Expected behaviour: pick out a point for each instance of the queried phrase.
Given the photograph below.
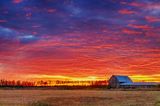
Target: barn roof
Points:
(123, 79)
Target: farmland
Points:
(78, 98)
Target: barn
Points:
(120, 81)
(116, 80)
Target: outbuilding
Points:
(120, 81)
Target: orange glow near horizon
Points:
(36, 77)
(146, 78)
(135, 78)
(63, 78)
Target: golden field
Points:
(78, 98)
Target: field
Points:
(78, 98)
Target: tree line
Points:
(13, 83)
(18, 83)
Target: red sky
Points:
(79, 40)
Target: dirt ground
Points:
(78, 98)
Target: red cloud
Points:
(136, 4)
(51, 10)
(144, 27)
(124, 11)
(1, 21)
(17, 1)
(131, 32)
(152, 19)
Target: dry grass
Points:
(78, 98)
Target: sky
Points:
(79, 39)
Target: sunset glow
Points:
(79, 40)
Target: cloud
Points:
(127, 12)
(143, 27)
(153, 8)
(131, 32)
(152, 19)
(27, 39)
(3, 21)
(136, 4)
(17, 1)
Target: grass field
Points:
(78, 98)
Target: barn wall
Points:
(113, 82)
